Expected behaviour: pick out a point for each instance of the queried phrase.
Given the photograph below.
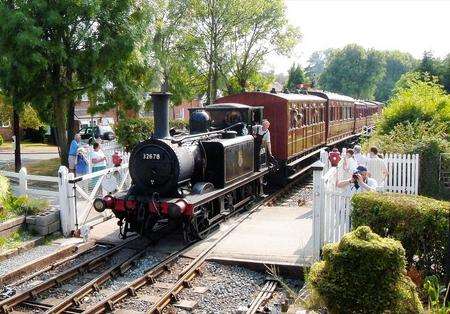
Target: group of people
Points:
(79, 157)
(358, 172)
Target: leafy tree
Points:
(353, 71)
(235, 36)
(263, 29)
(29, 118)
(397, 63)
(417, 98)
(74, 47)
(173, 48)
(296, 77)
(316, 64)
(429, 64)
(215, 20)
(256, 81)
(446, 73)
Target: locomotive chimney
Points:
(160, 102)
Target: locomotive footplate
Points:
(198, 213)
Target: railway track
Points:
(107, 267)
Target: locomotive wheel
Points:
(198, 228)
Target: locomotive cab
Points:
(222, 116)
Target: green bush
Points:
(419, 223)
(1, 140)
(131, 131)
(21, 205)
(416, 98)
(363, 273)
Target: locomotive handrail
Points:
(178, 141)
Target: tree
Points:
(397, 63)
(263, 29)
(173, 48)
(316, 64)
(296, 77)
(446, 73)
(77, 47)
(353, 71)
(429, 64)
(212, 27)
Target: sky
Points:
(407, 25)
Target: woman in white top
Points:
(377, 167)
(98, 158)
(347, 166)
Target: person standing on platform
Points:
(72, 159)
(377, 167)
(347, 165)
(361, 160)
(334, 157)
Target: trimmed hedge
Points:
(363, 273)
(419, 223)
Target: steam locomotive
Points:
(199, 178)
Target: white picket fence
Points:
(332, 206)
(74, 196)
(403, 171)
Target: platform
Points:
(271, 235)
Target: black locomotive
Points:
(193, 179)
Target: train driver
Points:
(261, 134)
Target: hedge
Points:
(131, 131)
(420, 223)
(363, 273)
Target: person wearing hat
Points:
(82, 166)
(360, 181)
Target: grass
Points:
(14, 240)
(29, 147)
(48, 167)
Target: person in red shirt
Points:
(334, 157)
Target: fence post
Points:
(318, 197)
(23, 183)
(66, 200)
(416, 181)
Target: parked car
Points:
(103, 132)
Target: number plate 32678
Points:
(151, 156)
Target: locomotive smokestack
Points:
(160, 102)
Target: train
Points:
(194, 180)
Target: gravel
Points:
(301, 195)
(63, 267)
(111, 286)
(23, 258)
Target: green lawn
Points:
(48, 167)
(30, 147)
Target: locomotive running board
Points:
(303, 158)
(295, 175)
